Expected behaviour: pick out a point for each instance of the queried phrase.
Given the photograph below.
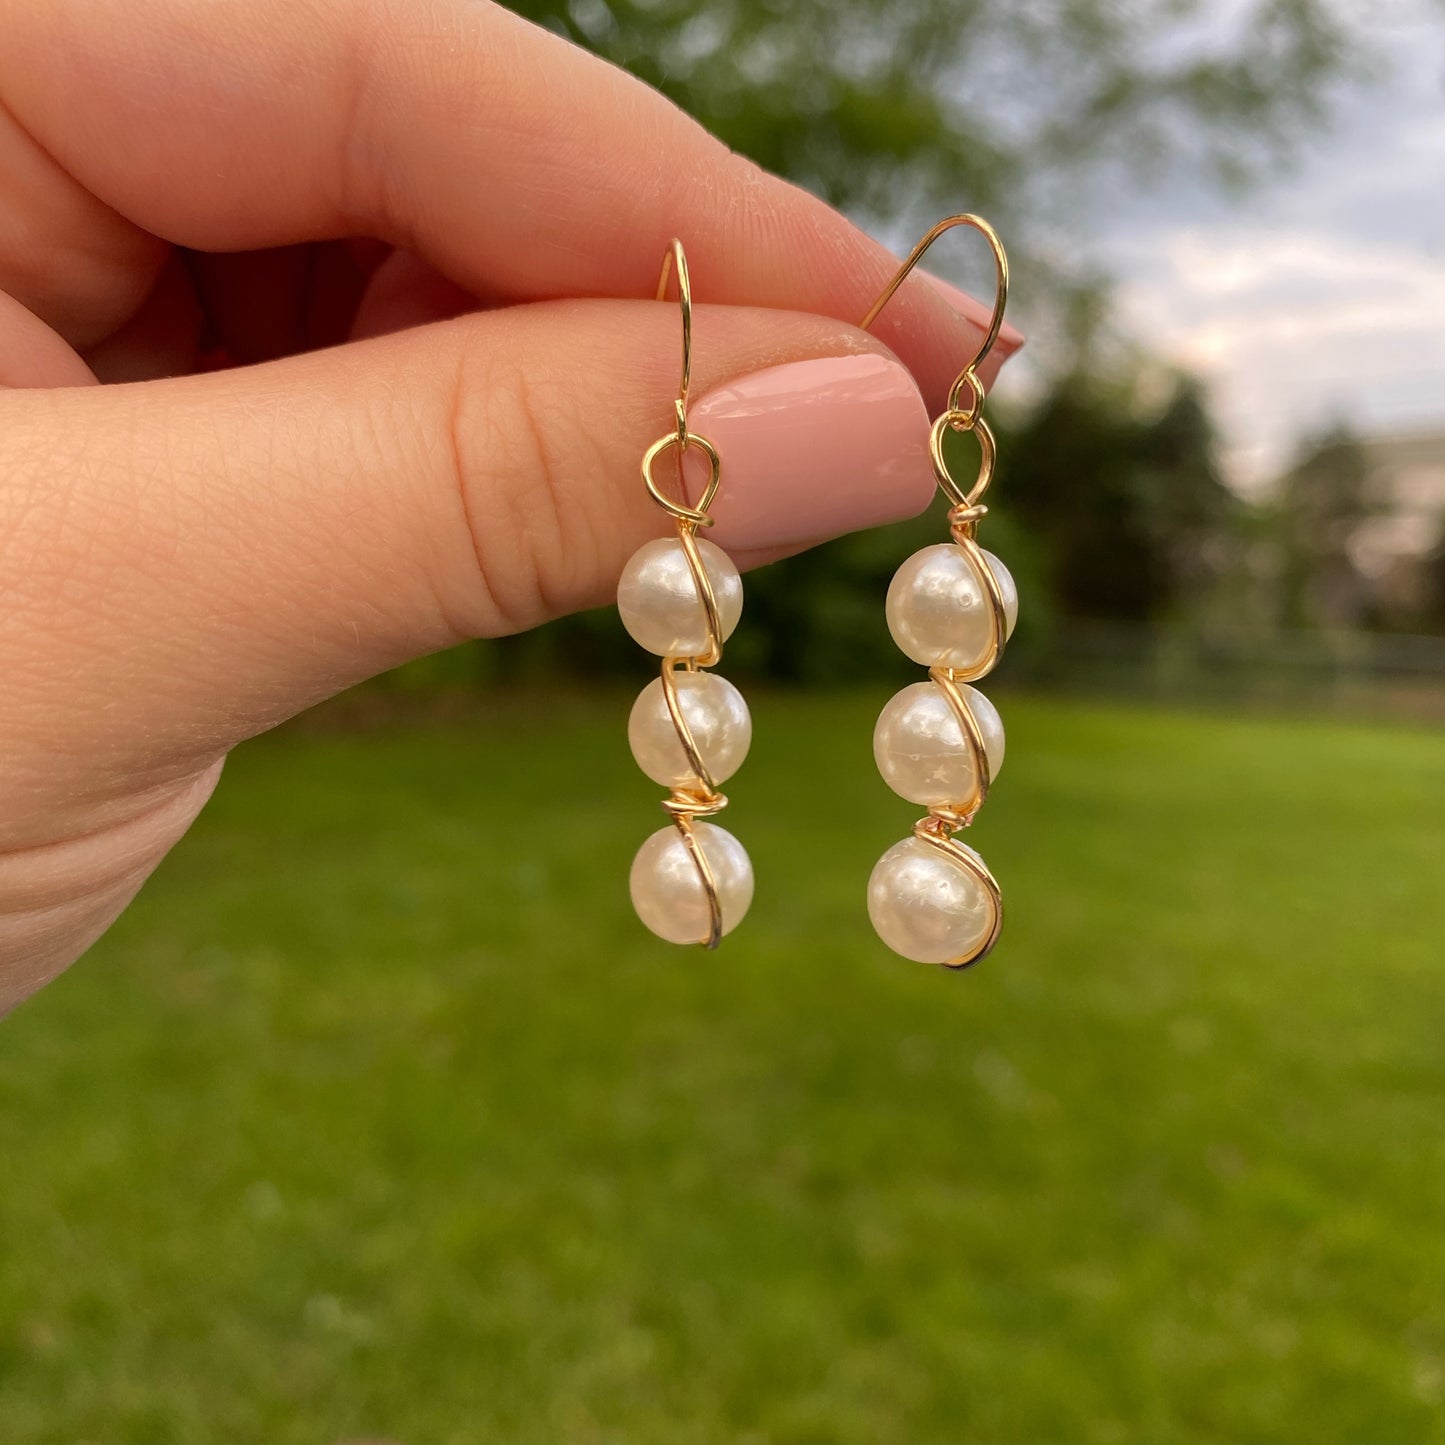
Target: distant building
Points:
(1395, 546)
(1407, 485)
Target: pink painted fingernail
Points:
(814, 449)
(1010, 338)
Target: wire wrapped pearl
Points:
(928, 906)
(716, 715)
(667, 889)
(939, 611)
(921, 750)
(658, 600)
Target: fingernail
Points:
(1010, 338)
(813, 449)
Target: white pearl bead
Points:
(927, 906)
(716, 715)
(667, 889)
(658, 599)
(920, 748)
(938, 607)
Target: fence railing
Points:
(1350, 672)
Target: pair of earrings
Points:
(950, 607)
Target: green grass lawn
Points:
(379, 1114)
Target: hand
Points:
(188, 559)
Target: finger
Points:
(404, 291)
(191, 561)
(31, 354)
(163, 338)
(57, 897)
(508, 159)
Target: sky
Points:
(1320, 295)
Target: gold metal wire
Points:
(676, 257)
(686, 805)
(937, 831)
(1000, 261)
(949, 681)
(971, 421)
(960, 416)
(964, 413)
(965, 540)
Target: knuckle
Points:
(517, 454)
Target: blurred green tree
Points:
(903, 108)
(1122, 497)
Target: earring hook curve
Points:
(1000, 263)
(680, 440)
(676, 259)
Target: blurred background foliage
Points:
(897, 110)
(1110, 503)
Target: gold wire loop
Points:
(963, 521)
(987, 456)
(684, 804)
(679, 511)
(964, 417)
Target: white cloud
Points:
(1323, 296)
(1293, 328)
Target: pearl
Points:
(658, 599)
(938, 607)
(920, 747)
(928, 906)
(716, 715)
(667, 889)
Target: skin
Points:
(357, 276)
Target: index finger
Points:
(514, 162)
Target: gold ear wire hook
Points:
(1000, 262)
(960, 417)
(680, 440)
(677, 259)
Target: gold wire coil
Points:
(681, 726)
(937, 831)
(685, 805)
(964, 413)
(965, 540)
(948, 681)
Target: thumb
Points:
(194, 560)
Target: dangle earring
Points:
(680, 597)
(940, 743)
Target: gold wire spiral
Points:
(966, 510)
(685, 805)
